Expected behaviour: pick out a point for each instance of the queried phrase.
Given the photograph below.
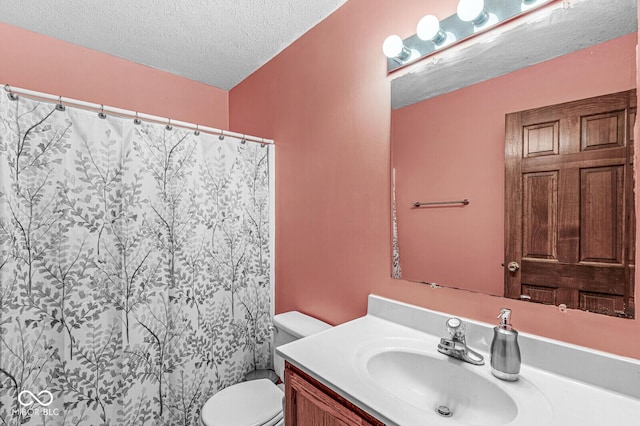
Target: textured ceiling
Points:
(217, 42)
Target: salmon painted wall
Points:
(452, 147)
(326, 101)
(36, 62)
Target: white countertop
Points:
(335, 358)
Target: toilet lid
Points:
(252, 403)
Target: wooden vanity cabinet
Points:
(310, 403)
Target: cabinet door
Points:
(309, 403)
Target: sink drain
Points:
(444, 411)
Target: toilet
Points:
(260, 402)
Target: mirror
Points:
(448, 132)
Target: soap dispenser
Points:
(505, 352)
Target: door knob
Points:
(513, 266)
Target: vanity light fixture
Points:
(473, 17)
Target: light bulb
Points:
(471, 10)
(393, 47)
(429, 29)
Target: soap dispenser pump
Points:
(505, 352)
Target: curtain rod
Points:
(101, 109)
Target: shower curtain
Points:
(134, 267)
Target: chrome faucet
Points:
(456, 346)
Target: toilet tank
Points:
(290, 326)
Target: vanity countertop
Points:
(337, 358)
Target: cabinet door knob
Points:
(513, 266)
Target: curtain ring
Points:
(221, 137)
(169, 126)
(244, 140)
(12, 96)
(197, 131)
(136, 120)
(101, 114)
(59, 105)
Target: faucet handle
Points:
(455, 327)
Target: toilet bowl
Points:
(260, 402)
(252, 403)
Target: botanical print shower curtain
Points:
(134, 267)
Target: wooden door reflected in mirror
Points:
(569, 204)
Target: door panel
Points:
(541, 215)
(569, 204)
(541, 139)
(601, 131)
(546, 295)
(602, 222)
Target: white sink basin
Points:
(447, 389)
(443, 387)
